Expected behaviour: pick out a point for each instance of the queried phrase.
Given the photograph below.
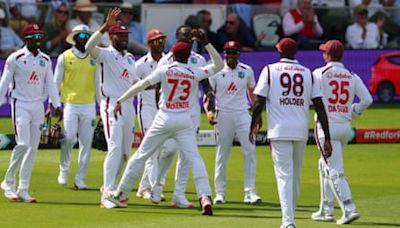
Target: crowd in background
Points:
(360, 24)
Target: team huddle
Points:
(168, 90)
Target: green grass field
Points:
(372, 170)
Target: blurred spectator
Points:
(286, 5)
(22, 13)
(205, 21)
(84, 10)
(394, 10)
(137, 31)
(363, 34)
(56, 31)
(24, 9)
(235, 29)
(9, 40)
(373, 6)
(303, 25)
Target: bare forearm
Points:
(322, 116)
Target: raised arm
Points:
(216, 61)
(95, 39)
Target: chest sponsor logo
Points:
(125, 74)
(241, 74)
(232, 88)
(33, 79)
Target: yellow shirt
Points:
(78, 84)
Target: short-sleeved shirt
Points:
(230, 87)
(288, 87)
(144, 67)
(29, 77)
(339, 86)
(117, 72)
(195, 60)
(179, 85)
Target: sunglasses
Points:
(65, 12)
(34, 36)
(127, 12)
(158, 41)
(231, 52)
(83, 35)
(229, 22)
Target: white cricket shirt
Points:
(230, 87)
(288, 87)
(117, 72)
(339, 86)
(144, 67)
(179, 85)
(195, 60)
(29, 77)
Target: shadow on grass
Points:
(376, 224)
(69, 203)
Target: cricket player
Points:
(183, 34)
(287, 89)
(118, 73)
(339, 87)
(28, 76)
(179, 85)
(147, 105)
(75, 76)
(232, 86)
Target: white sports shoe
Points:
(118, 199)
(9, 192)
(322, 217)
(180, 202)
(288, 226)
(348, 217)
(24, 196)
(156, 194)
(107, 204)
(206, 206)
(252, 197)
(219, 199)
(62, 178)
(80, 185)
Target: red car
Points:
(385, 79)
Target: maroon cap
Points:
(30, 29)
(287, 46)
(334, 48)
(118, 28)
(154, 34)
(232, 45)
(181, 50)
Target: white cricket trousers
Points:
(228, 125)
(146, 114)
(170, 148)
(177, 125)
(288, 158)
(78, 119)
(27, 118)
(333, 181)
(119, 137)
